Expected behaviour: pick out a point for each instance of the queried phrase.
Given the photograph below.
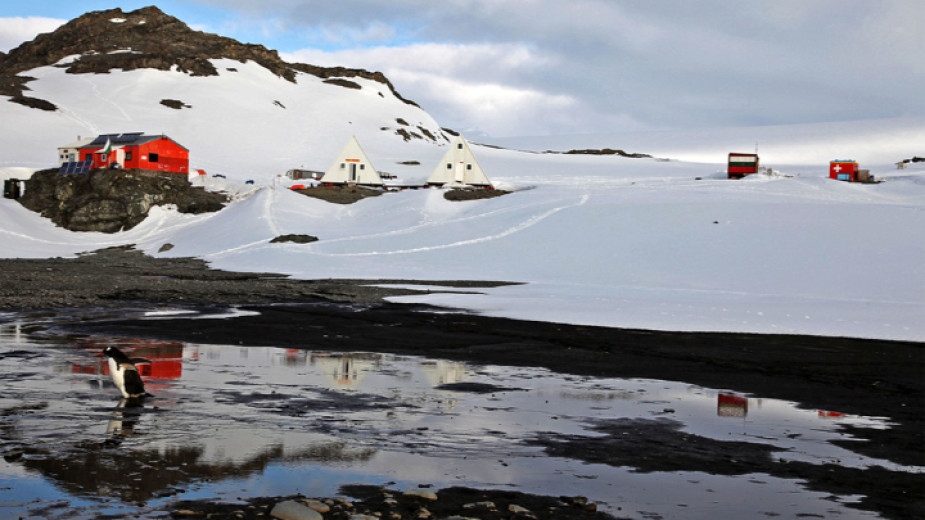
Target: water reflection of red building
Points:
(729, 405)
(162, 359)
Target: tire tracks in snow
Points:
(266, 214)
(525, 224)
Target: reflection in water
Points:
(138, 475)
(345, 370)
(268, 421)
(124, 417)
(728, 405)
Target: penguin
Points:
(125, 375)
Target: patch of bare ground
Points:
(351, 194)
(461, 194)
(341, 194)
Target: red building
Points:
(742, 164)
(848, 171)
(135, 150)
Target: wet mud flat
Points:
(864, 377)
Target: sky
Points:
(565, 67)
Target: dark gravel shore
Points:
(866, 377)
(121, 277)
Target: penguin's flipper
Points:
(134, 386)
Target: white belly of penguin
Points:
(118, 376)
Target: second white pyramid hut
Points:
(459, 166)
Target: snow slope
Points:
(246, 122)
(598, 240)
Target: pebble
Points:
(292, 510)
(520, 512)
(426, 494)
(317, 505)
(484, 505)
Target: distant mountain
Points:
(237, 107)
(148, 38)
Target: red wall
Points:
(170, 156)
(849, 168)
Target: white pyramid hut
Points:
(352, 166)
(459, 166)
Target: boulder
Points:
(111, 200)
(292, 510)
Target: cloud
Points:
(16, 30)
(467, 87)
(635, 64)
(561, 66)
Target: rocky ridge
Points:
(102, 41)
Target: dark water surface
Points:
(229, 421)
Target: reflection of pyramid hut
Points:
(345, 370)
(444, 372)
(352, 166)
(459, 166)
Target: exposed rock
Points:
(519, 510)
(340, 82)
(462, 194)
(426, 494)
(317, 505)
(406, 135)
(298, 239)
(485, 504)
(32, 102)
(174, 103)
(340, 194)
(292, 510)
(154, 40)
(111, 200)
(608, 151)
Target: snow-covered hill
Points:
(240, 109)
(244, 123)
(601, 240)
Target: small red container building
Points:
(742, 164)
(843, 170)
(136, 150)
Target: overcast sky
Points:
(538, 67)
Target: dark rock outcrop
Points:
(608, 151)
(147, 38)
(112, 200)
(295, 238)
